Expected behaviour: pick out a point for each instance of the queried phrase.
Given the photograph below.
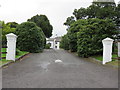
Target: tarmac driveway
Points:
(39, 70)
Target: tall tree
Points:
(69, 21)
(80, 13)
(43, 22)
(5, 30)
(117, 19)
(12, 24)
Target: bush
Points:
(90, 36)
(47, 46)
(6, 29)
(64, 42)
(30, 37)
(17, 51)
(72, 34)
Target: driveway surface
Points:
(39, 70)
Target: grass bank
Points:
(18, 55)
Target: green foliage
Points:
(91, 35)
(43, 22)
(69, 21)
(6, 29)
(30, 37)
(65, 42)
(72, 34)
(100, 11)
(47, 46)
(80, 13)
(12, 24)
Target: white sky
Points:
(57, 11)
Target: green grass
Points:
(3, 49)
(3, 55)
(21, 53)
(98, 57)
(101, 57)
(4, 61)
(114, 61)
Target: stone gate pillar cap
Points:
(11, 35)
(107, 39)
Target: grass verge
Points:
(100, 58)
(4, 61)
(114, 61)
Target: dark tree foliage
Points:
(65, 42)
(69, 21)
(101, 10)
(91, 35)
(80, 13)
(72, 34)
(30, 37)
(12, 24)
(91, 25)
(118, 20)
(43, 22)
(96, 10)
(6, 29)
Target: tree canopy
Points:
(6, 29)
(43, 22)
(30, 37)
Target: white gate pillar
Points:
(118, 48)
(11, 46)
(107, 50)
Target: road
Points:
(39, 70)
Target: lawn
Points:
(101, 57)
(20, 53)
(4, 61)
(114, 61)
(3, 49)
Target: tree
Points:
(65, 42)
(117, 20)
(30, 37)
(91, 35)
(69, 21)
(12, 24)
(96, 10)
(43, 22)
(80, 13)
(6, 29)
(72, 34)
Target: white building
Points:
(54, 42)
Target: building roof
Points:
(50, 39)
(104, 1)
(58, 39)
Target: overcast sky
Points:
(57, 11)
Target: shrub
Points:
(47, 46)
(6, 29)
(72, 34)
(90, 36)
(30, 37)
(64, 42)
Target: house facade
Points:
(54, 42)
